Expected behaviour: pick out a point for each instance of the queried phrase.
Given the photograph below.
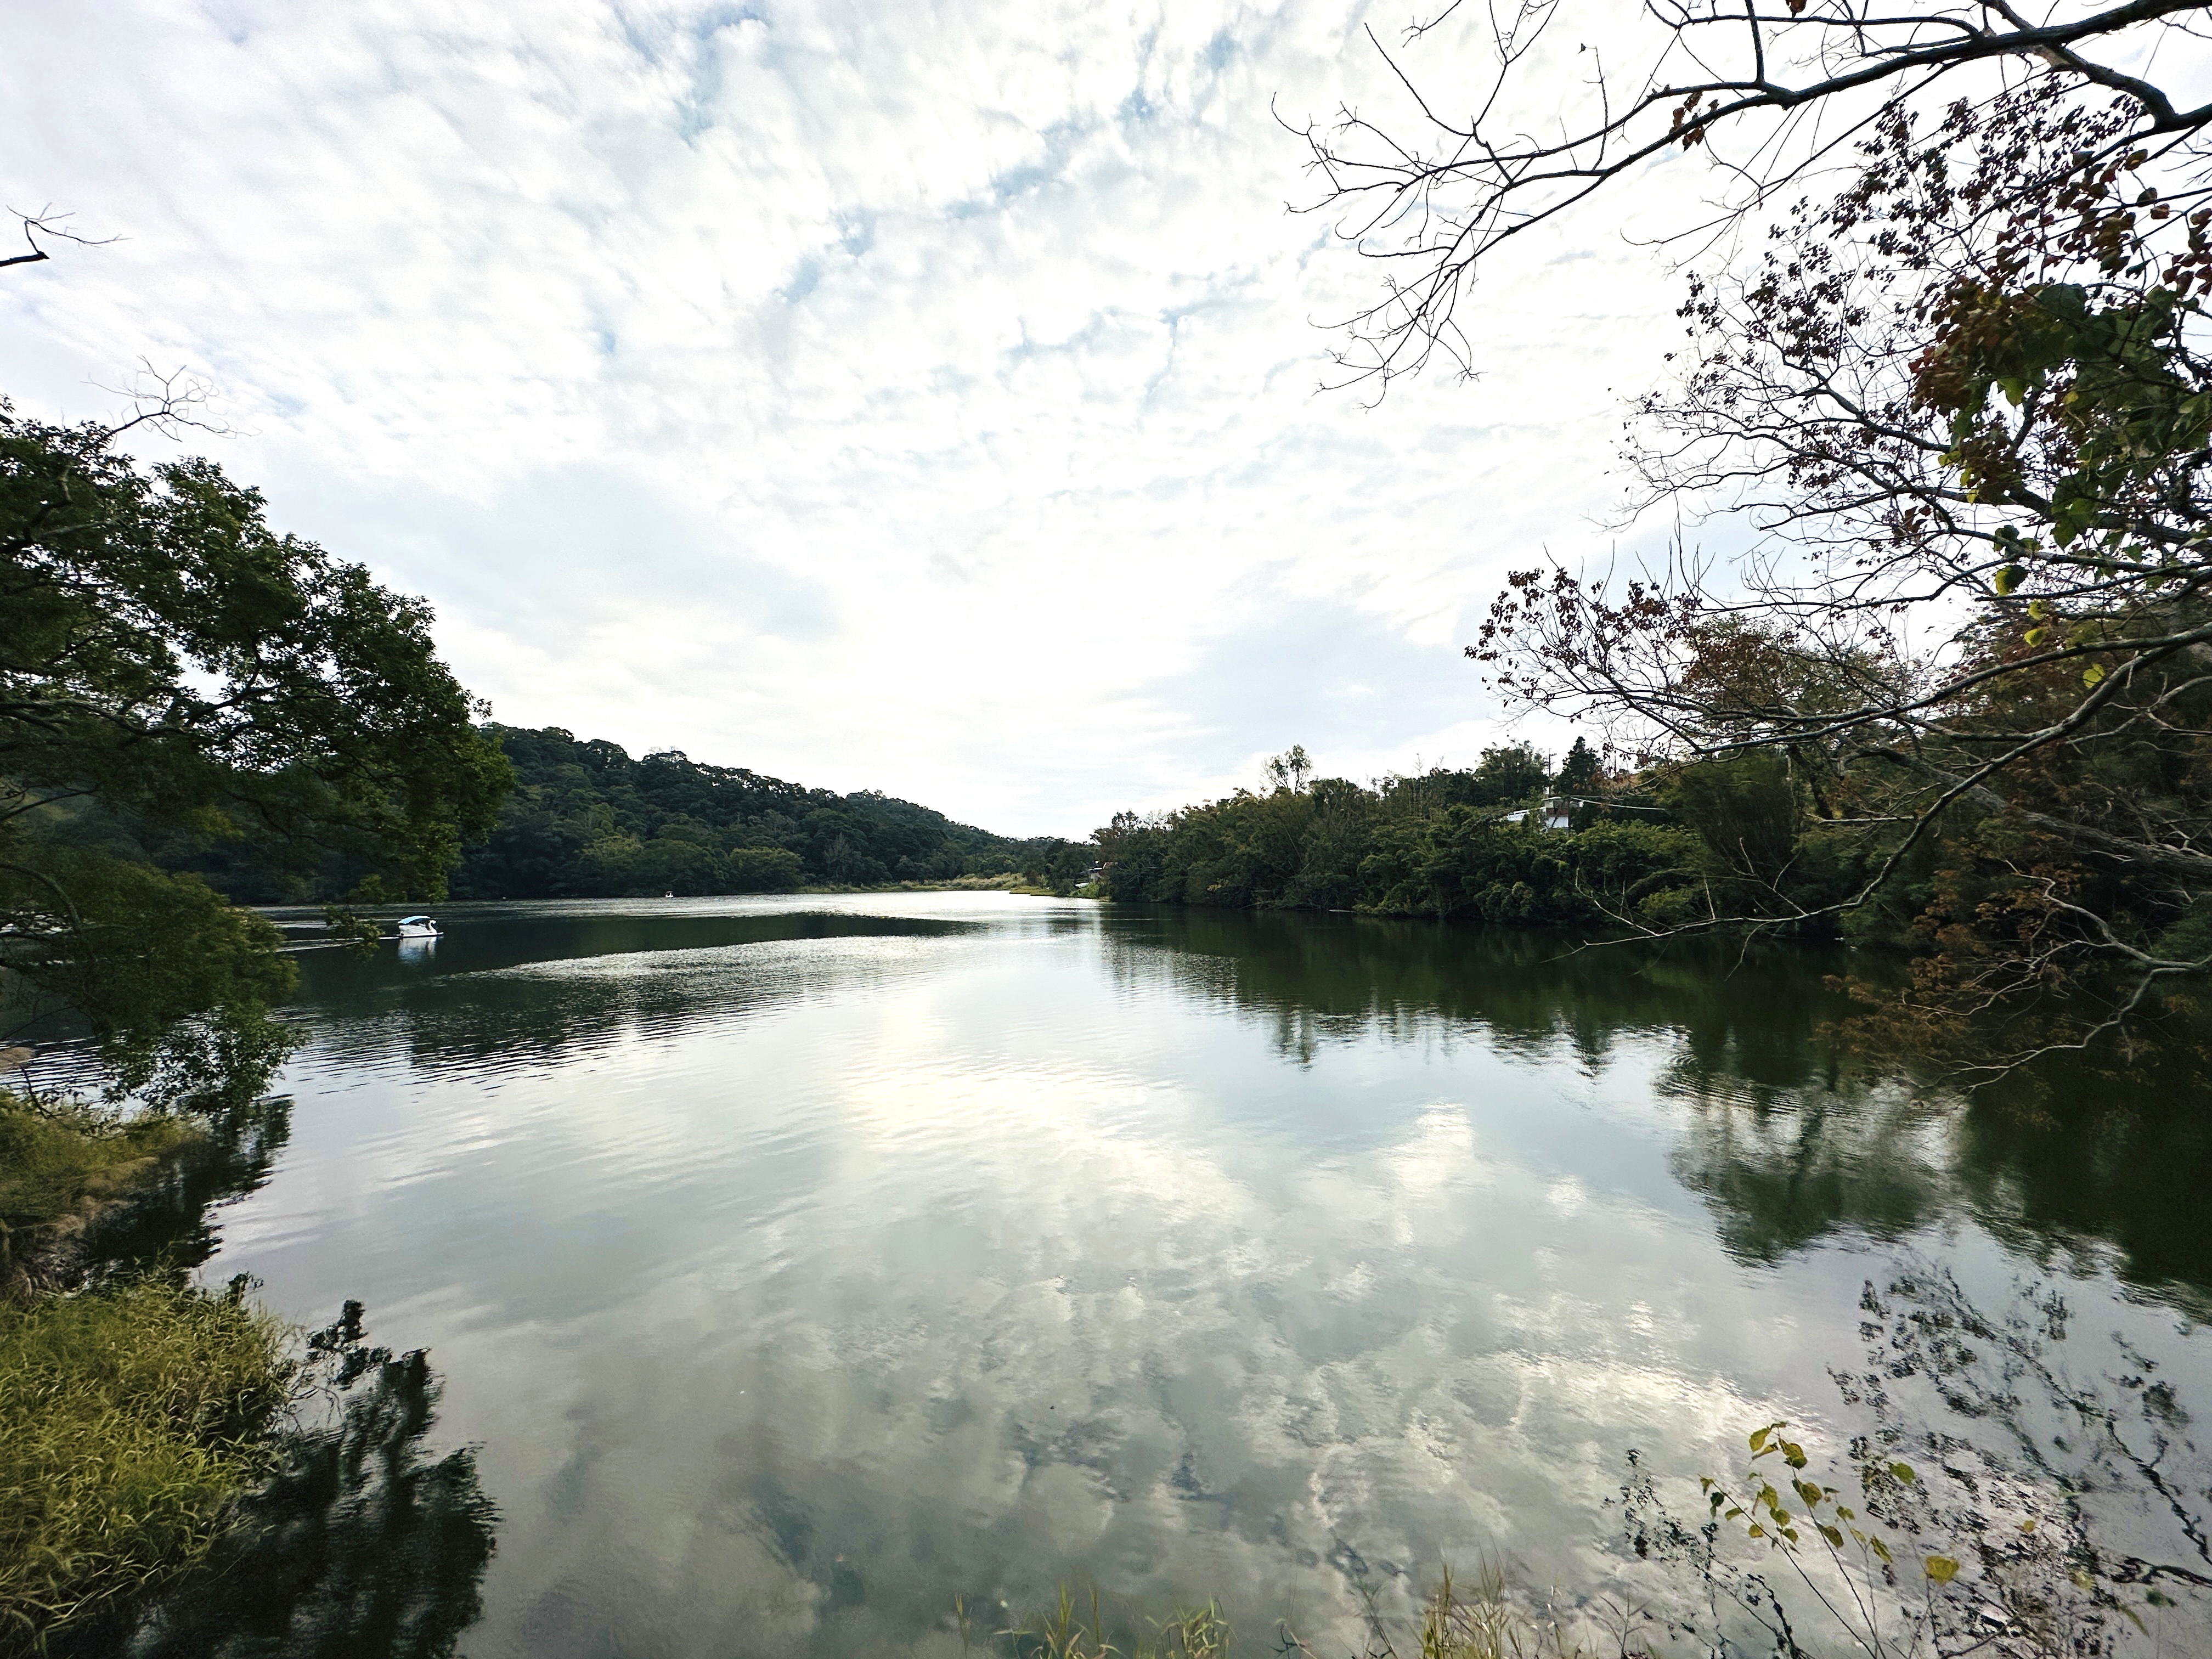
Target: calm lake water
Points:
(799, 1263)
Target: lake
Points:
(798, 1263)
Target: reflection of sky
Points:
(796, 1284)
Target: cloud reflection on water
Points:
(795, 1284)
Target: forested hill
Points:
(587, 819)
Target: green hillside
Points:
(588, 819)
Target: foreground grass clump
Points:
(1067, 1633)
(60, 1164)
(130, 1417)
(1456, 1620)
(65, 1164)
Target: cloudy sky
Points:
(917, 397)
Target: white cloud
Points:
(920, 398)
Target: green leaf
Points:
(1941, 1568)
(2009, 577)
(1829, 1533)
(2091, 674)
(1901, 1472)
(1759, 1438)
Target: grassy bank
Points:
(181, 1472)
(61, 1166)
(133, 1413)
(132, 1418)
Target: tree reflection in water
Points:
(505, 991)
(169, 1224)
(1787, 1138)
(2031, 1501)
(363, 1543)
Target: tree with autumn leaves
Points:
(1945, 401)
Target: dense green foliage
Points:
(1449, 843)
(1958, 402)
(179, 1475)
(356, 1541)
(129, 1418)
(60, 1165)
(186, 694)
(588, 820)
(174, 979)
(170, 654)
(176, 675)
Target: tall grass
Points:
(1484, 1621)
(1069, 1632)
(1459, 1619)
(130, 1417)
(59, 1164)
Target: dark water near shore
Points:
(799, 1263)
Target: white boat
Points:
(418, 927)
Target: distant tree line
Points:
(1507, 842)
(587, 819)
